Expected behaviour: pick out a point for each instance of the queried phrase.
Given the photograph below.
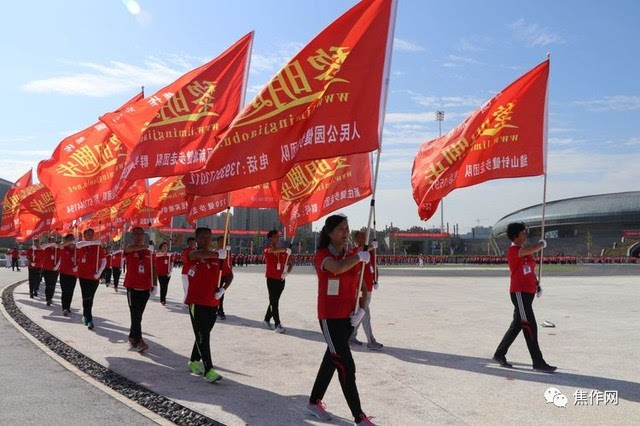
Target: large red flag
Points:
(325, 102)
(11, 204)
(258, 196)
(84, 169)
(316, 188)
(169, 198)
(504, 138)
(174, 131)
(37, 212)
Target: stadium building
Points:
(595, 225)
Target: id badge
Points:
(526, 269)
(53, 257)
(278, 267)
(166, 262)
(141, 269)
(333, 287)
(192, 272)
(371, 269)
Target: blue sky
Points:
(66, 63)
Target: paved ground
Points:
(439, 334)
(37, 390)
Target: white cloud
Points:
(17, 139)
(565, 141)
(453, 61)
(401, 45)
(100, 80)
(533, 34)
(276, 56)
(611, 103)
(632, 141)
(439, 102)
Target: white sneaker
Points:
(319, 410)
(267, 325)
(374, 346)
(280, 328)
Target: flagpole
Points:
(383, 106)
(149, 219)
(224, 238)
(544, 185)
(170, 233)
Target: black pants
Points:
(116, 276)
(137, 302)
(203, 318)
(106, 274)
(275, 287)
(35, 275)
(88, 289)
(67, 285)
(164, 286)
(224, 282)
(50, 279)
(338, 357)
(14, 264)
(523, 319)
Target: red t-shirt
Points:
(67, 260)
(89, 259)
(162, 263)
(523, 277)
(185, 260)
(227, 266)
(138, 270)
(369, 269)
(34, 257)
(336, 293)
(15, 253)
(109, 258)
(116, 259)
(50, 257)
(275, 264)
(203, 279)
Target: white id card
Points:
(53, 257)
(166, 262)
(333, 287)
(192, 272)
(141, 269)
(278, 267)
(526, 269)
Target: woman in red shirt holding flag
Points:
(276, 260)
(338, 280)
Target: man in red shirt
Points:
(106, 274)
(139, 281)
(191, 246)
(276, 259)
(162, 265)
(116, 268)
(68, 270)
(50, 258)
(15, 254)
(91, 262)
(523, 288)
(226, 276)
(34, 262)
(203, 299)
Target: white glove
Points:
(33, 264)
(375, 285)
(74, 269)
(96, 276)
(544, 243)
(288, 251)
(222, 254)
(284, 275)
(219, 293)
(364, 256)
(228, 248)
(538, 291)
(374, 245)
(357, 317)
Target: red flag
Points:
(316, 188)
(140, 214)
(174, 130)
(11, 204)
(504, 138)
(37, 212)
(84, 169)
(326, 101)
(257, 196)
(169, 198)
(207, 206)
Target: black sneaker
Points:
(222, 316)
(48, 302)
(545, 368)
(502, 361)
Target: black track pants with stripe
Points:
(203, 318)
(525, 320)
(338, 357)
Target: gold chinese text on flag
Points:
(174, 130)
(11, 205)
(324, 102)
(37, 212)
(504, 138)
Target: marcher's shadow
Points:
(251, 404)
(300, 333)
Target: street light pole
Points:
(440, 119)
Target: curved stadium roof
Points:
(604, 208)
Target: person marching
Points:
(162, 263)
(91, 261)
(203, 299)
(338, 280)
(117, 261)
(50, 259)
(68, 270)
(34, 262)
(226, 278)
(275, 259)
(524, 287)
(106, 274)
(191, 246)
(15, 254)
(369, 278)
(139, 281)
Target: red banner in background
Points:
(505, 138)
(325, 102)
(174, 130)
(11, 204)
(37, 212)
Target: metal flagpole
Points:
(383, 105)
(544, 185)
(151, 254)
(224, 238)
(170, 233)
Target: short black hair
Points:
(221, 237)
(272, 233)
(190, 239)
(513, 229)
(69, 237)
(201, 230)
